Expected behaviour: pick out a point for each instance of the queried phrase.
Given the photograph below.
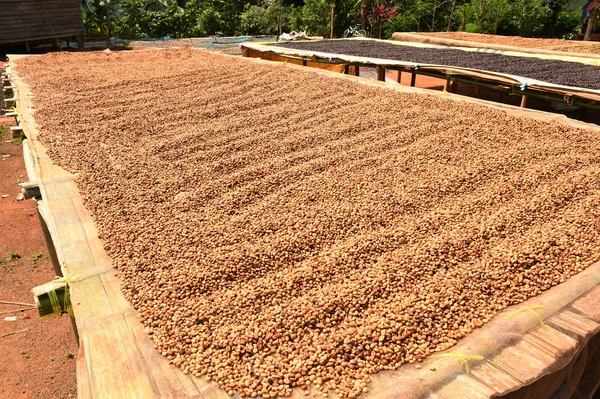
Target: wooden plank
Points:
(575, 323)
(552, 338)
(37, 4)
(118, 349)
(71, 19)
(516, 366)
(493, 377)
(534, 348)
(16, 16)
(82, 291)
(589, 304)
(58, 23)
(39, 38)
(466, 387)
(168, 378)
(37, 30)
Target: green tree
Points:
(314, 18)
(489, 14)
(530, 17)
(264, 18)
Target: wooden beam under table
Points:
(380, 73)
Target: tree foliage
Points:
(187, 18)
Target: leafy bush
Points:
(530, 17)
(98, 17)
(472, 28)
(489, 14)
(405, 22)
(209, 21)
(567, 24)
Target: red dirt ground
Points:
(37, 363)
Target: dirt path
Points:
(39, 362)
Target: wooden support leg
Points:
(356, 70)
(17, 131)
(55, 44)
(27, 47)
(477, 90)
(399, 78)
(346, 69)
(303, 62)
(448, 85)
(50, 245)
(524, 100)
(55, 262)
(31, 190)
(380, 73)
(74, 325)
(413, 79)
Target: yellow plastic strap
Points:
(54, 301)
(530, 309)
(67, 299)
(462, 358)
(49, 287)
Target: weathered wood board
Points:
(32, 20)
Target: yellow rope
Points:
(54, 301)
(462, 358)
(530, 309)
(569, 99)
(49, 288)
(67, 299)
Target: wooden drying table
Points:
(117, 359)
(443, 41)
(503, 83)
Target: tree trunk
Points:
(435, 4)
(332, 16)
(363, 16)
(451, 14)
(592, 20)
(497, 17)
(280, 18)
(463, 24)
(107, 25)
